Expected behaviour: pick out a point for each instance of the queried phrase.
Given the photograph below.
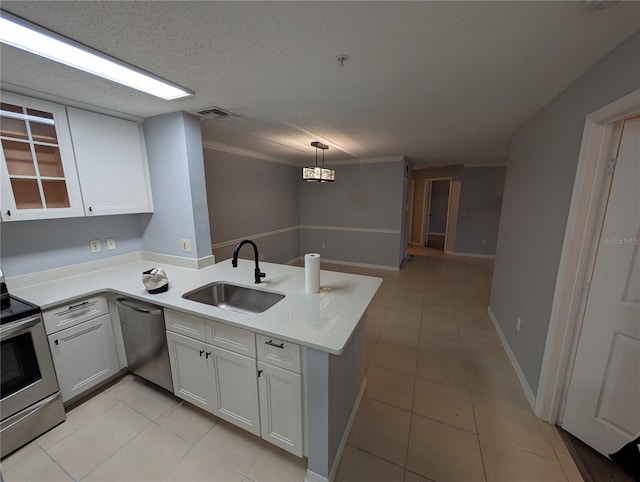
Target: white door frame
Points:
(423, 234)
(577, 254)
(412, 200)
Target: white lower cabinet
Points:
(219, 381)
(214, 366)
(84, 355)
(193, 377)
(237, 389)
(281, 407)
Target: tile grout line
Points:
(55, 461)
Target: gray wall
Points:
(439, 205)
(540, 175)
(31, 246)
(174, 150)
(366, 197)
(248, 197)
(333, 384)
(479, 209)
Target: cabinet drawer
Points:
(232, 338)
(73, 313)
(277, 352)
(185, 324)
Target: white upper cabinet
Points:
(112, 163)
(38, 172)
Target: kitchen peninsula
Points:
(329, 327)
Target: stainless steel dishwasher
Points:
(145, 341)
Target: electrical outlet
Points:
(484, 241)
(324, 245)
(518, 322)
(111, 244)
(186, 245)
(94, 246)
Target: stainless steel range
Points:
(30, 402)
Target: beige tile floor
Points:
(442, 404)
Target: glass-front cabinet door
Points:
(39, 177)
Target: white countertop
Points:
(324, 321)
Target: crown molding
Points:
(485, 164)
(215, 146)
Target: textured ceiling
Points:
(437, 82)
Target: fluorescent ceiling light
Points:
(22, 35)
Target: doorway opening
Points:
(438, 211)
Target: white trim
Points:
(313, 477)
(378, 160)
(528, 393)
(239, 151)
(216, 146)
(254, 236)
(293, 228)
(193, 263)
(347, 431)
(359, 265)
(354, 230)
(20, 281)
(470, 165)
(576, 255)
(471, 255)
(437, 234)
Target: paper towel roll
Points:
(312, 272)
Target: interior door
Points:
(427, 212)
(603, 401)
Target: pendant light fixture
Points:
(318, 174)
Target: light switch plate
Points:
(186, 245)
(94, 246)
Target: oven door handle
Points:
(12, 329)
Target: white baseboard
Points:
(528, 393)
(359, 265)
(295, 260)
(347, 431)
(471, 255)
(313, 477)
(195, 263)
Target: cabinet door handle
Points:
(208, 354)
(90, 209)
(259, 373)
(8, 213)
(73, 307)
(201, 352)
(56, 342)
(270, 342)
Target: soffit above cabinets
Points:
(437, 82)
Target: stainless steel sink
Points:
(234, 297)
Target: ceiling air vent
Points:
(214, 113)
